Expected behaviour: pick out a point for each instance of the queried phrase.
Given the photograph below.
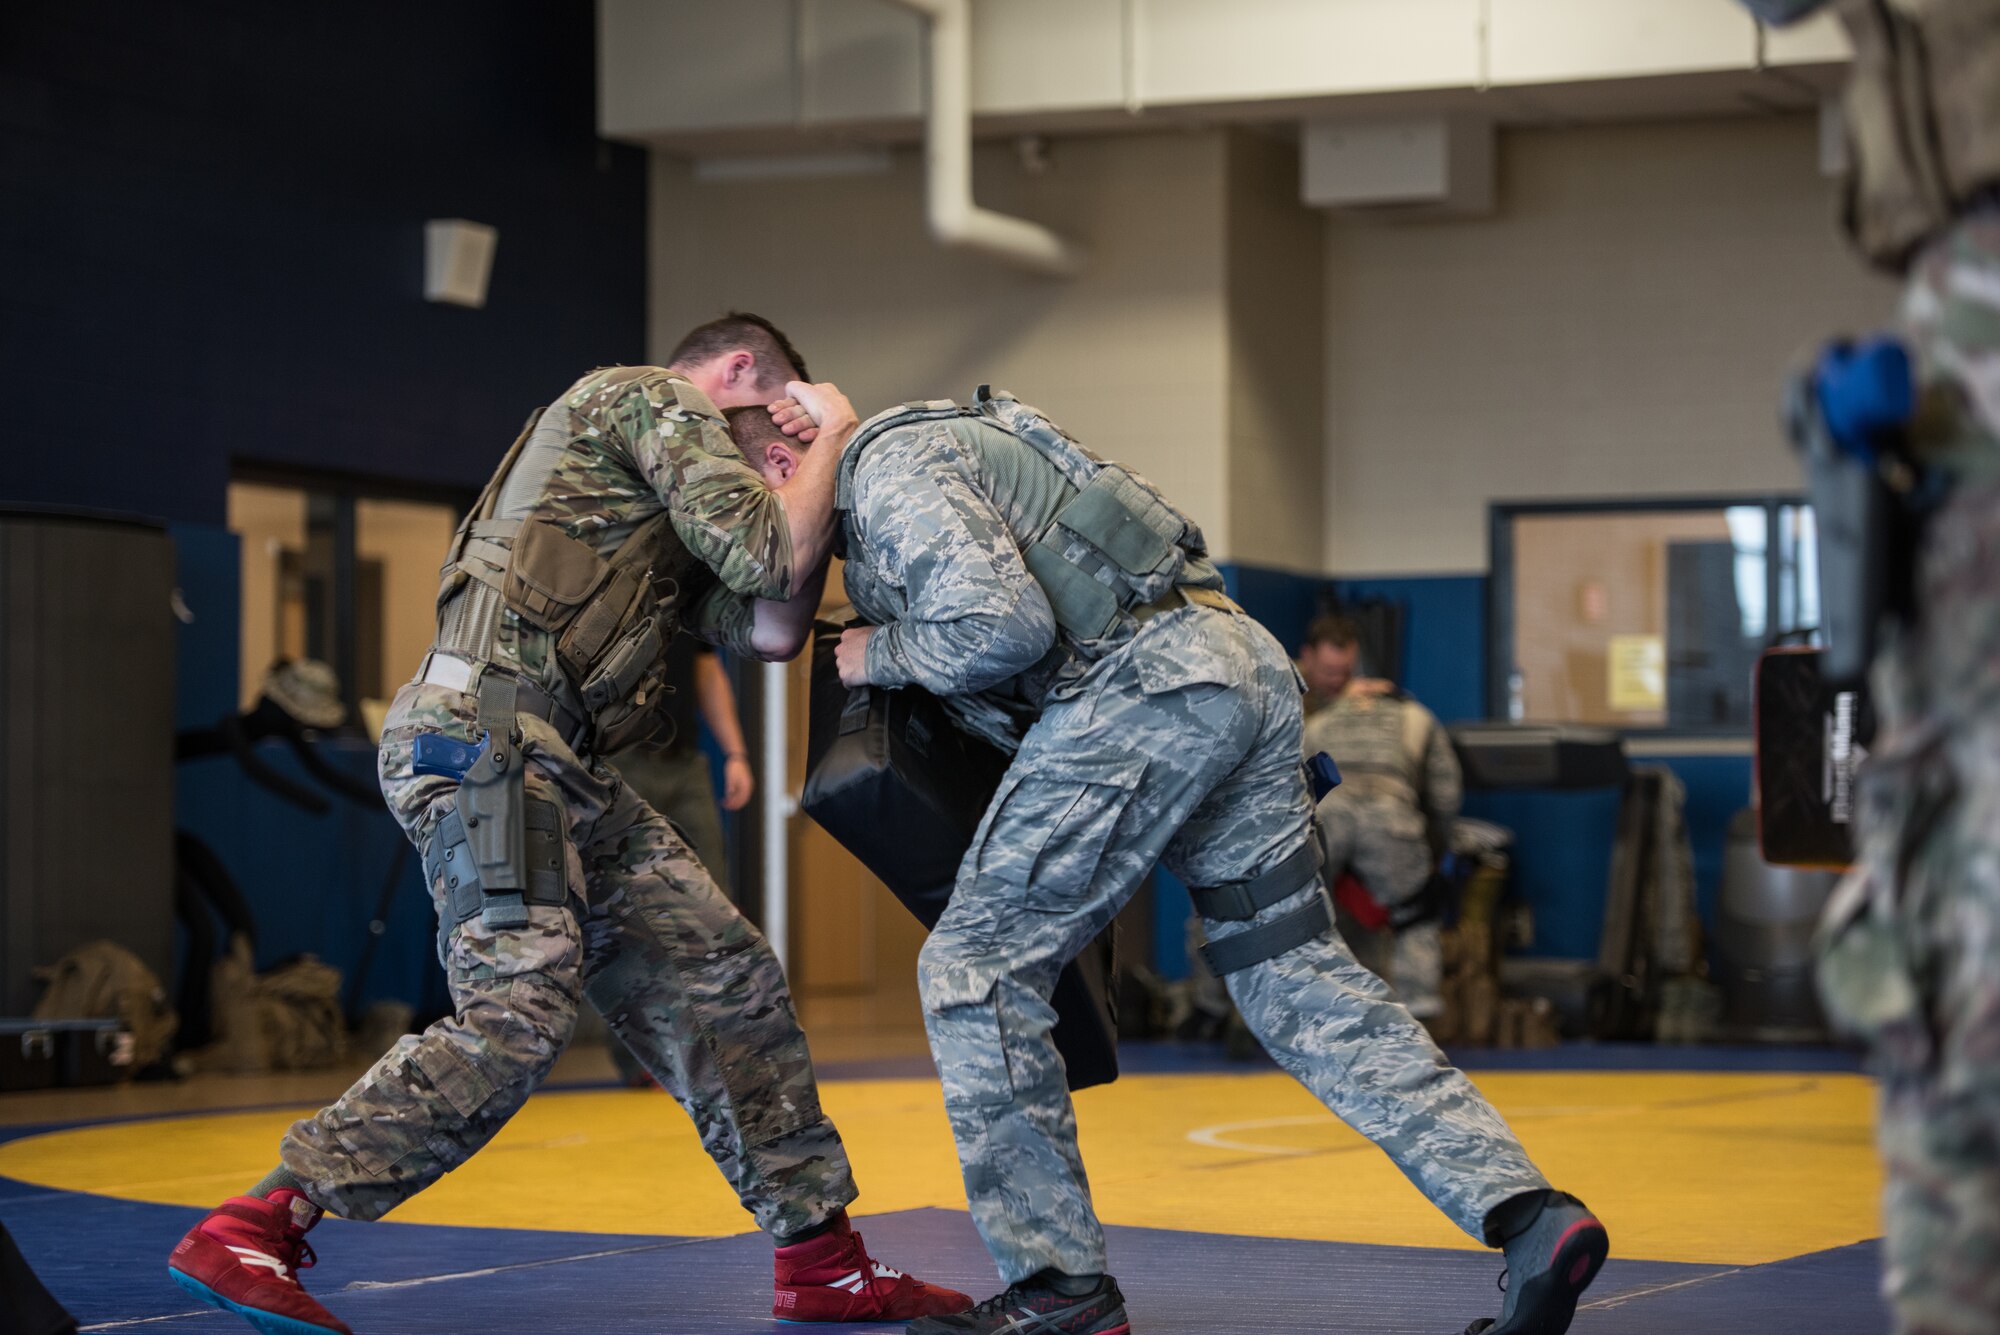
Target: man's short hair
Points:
(777, 360)
(754, 432)
(1341, 632)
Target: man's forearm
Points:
(808, 500)
(780, 629)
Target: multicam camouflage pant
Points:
(680, 976)
(1184, 746)
(1395, 869)
(1912, 948)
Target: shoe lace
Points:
(879, 1286)
(295, 1251)
(1015, 1296)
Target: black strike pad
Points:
(903, 788)
(1811, 739)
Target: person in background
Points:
(1389, 822)
(677, 781)
(1328, 666)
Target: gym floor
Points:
(1739, 1186)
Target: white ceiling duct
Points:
(954, 218)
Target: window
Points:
(1645, 615)
(342, 572)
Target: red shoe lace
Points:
(295, 1251)
(870, 1276)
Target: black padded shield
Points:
(1811, 738)
(903, 788)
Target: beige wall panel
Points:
(1620, 328)
(1553, 41)
(1129, 356)
(1194, 50)
(1276, 359)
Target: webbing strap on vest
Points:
(1272, 939)
(1239, 900)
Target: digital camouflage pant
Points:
(1183, 746)
(1912, 948)
(1396, 869)
(676, 971)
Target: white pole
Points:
(775, 783)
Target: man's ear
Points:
(781, 459)
(739, 369)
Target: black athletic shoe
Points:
(1550, 1262)
(1035, 1307)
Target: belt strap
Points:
(1239, 900)
(1274, 938)
(532, 699)
(458, 672)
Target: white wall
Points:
(1130, 357)
(1620, 328)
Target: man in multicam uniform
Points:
(1911, 944)
(1174, 735)
(1390, 821)
(626, 915)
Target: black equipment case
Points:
(903, 788)
(47, 1054)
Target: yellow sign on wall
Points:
(1638, 673)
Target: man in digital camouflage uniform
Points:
(1390, 821)
(1151, 720)
(631, 464)
(1911, 944)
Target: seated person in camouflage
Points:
(623, 508)
(1389, 822)
(1064, 610)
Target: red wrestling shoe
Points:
(832, 1278)
(245, 1258)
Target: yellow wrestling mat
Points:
(1726, 1169)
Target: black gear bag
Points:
(903, 788)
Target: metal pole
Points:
(779, 806)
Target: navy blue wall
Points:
(211, 251)
(212, 246)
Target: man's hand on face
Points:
(851, 655)
(813, 410)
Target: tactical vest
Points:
(1100, 540)
(1923, 118)
(1381, 748)
(609, 619)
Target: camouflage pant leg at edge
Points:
(1940, 1109)
(435, 1098)
(694, 990)
(1916, 970)
(1940, 1115)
